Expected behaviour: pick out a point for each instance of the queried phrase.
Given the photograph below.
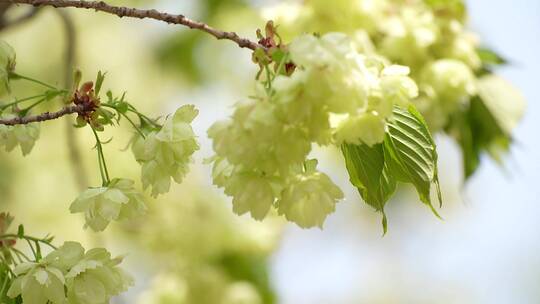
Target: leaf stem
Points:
(19, 76)
(31, 238)
(127, 117)
(4, 285)
(17, 101)
(134, 125)
(101, 159)
(19, 254)
(33, 105)
(132, 109)
(32, 248)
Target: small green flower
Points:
(309, 198)
(367, 128)
(116, 201)
(38, 283)
(24, 136)
(88, 278)
(95, 278)
(166, 153)
(251, 193)
(450, 82)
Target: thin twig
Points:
(121, 11)
(81, 108)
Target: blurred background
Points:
(192, 249)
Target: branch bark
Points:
(121, 11)
(80, 108)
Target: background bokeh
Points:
(486, 250)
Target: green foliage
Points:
(490, 60)
(477, 131)
(407, 155)
(486, 124)
(329, 88)
(368, 173)
(412, 153)
(489, 57)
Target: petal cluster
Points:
(38, 283)
(309, 198)
(262, 151)
(116, 201)
(166, 153)
(70, 275)
(429, 37)
(24, 136)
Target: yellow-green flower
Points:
(95, 278)
(87, 278)
(166, 153)
(309, 198)
(38, 283)
(24, 136)
(113, 202)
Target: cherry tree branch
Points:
(80, 108)
(142, 14)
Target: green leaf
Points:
(20, 231)
(410, 153)
(105, 116)
(478, 131)
(368, 173)
(489, 57)
(99, 82)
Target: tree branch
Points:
(80, 108)
(141, 14)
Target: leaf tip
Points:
(384, 224)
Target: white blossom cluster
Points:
(262, 152)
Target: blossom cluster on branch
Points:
(374, 79)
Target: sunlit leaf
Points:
(410, 153)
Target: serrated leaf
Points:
(410, 153)
(367, 172)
